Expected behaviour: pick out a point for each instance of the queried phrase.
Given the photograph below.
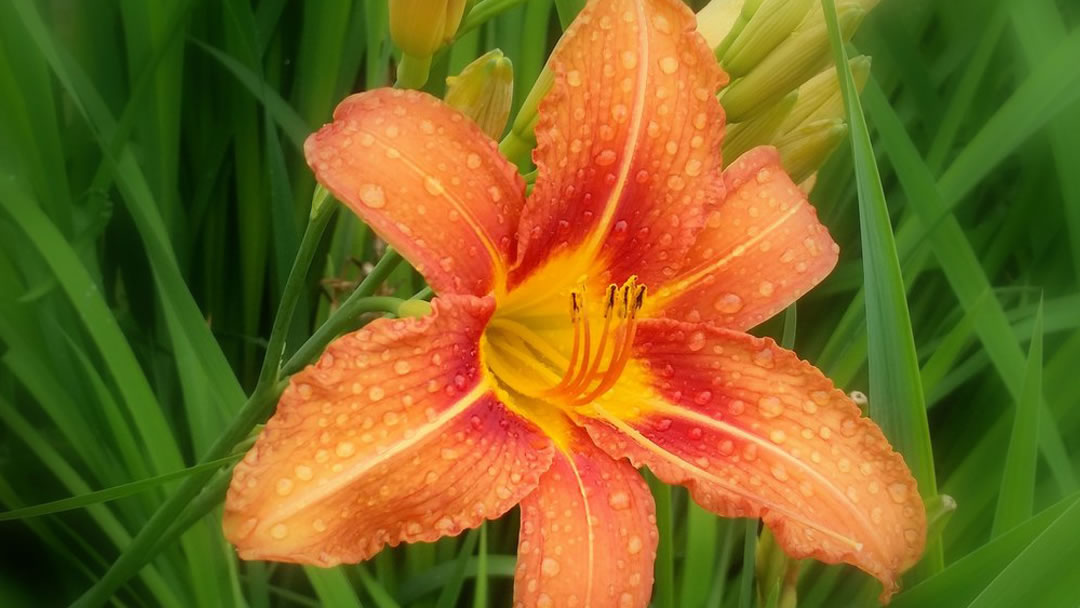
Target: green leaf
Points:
(113, 493)
(332, 587)
(1017, 496)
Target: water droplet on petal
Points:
(770, 407)
(372, 196)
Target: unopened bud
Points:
(419, 28)
(720, 19)
(483, 91)
(796, 59)
(820, 98)
(768, 27)
(804, 150)
(521, 139)
(759, 130)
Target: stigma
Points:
(594, 368)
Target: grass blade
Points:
(1017, 496)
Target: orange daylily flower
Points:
(594, 327)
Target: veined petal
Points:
(428, 181)
(393, 436)
(753, 431)
(761, 249)
(588, 534)
(627, 143)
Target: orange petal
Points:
(427, 180)
(588, 534)
(753, 431)
(393, 436)
(627, 141)
(760, 250)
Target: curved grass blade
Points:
(113, 493)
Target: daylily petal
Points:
(627, 142)
(428, 181)
(761, 249)
(588, 534)
(393, 436)
(753, 431)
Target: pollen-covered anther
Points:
(591, 372)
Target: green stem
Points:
(321, 212)
(482, 12)
(412, 72)
(357, 303)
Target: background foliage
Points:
(153, 198)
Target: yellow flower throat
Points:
(575, 363)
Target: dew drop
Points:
(619, 500)
(634, 545)
(898, 491)
(345, 449)
(376, 393)
(669, 65)
(697, 341)
(472, 160)
(728, 303)
(284, 486)
(605, 158)
(549, 567)
(433, 186)
(766, 288)
(402, 367)
(372, 196)
(279, 531)
(770, 407)
(573, 78)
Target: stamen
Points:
(583, 369)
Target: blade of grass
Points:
(963, 271)
(113, 493)
(1017, 496)
(897, 401)
(332, 587)
(664, 587)
(452, 590)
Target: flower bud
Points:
(720, 19)
(791, 63)
(759, 130)
(820, 97)
(521, 140)
(483, 91)
(767, 28)
(804, 150)
(419, 28)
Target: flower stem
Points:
(412, 72)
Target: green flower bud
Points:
(820, 98)
(419, 28)
(804, 150)
(483, 91)
(768, 27)
(792, 62)
(759, 130)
